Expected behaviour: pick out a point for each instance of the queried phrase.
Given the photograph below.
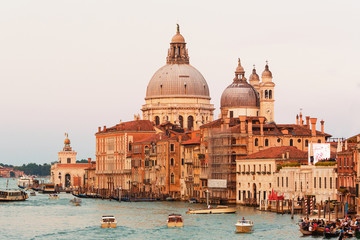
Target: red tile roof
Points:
(138, 125)
(195, 140)
(276, 152)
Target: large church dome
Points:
(240, 93)
(177, 80)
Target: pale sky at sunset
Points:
(72, 66)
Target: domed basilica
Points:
(179, 94)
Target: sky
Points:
(72, 66)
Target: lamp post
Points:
(207, 197)
(120, 194)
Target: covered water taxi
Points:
(175, 220)
(244, 226)
(213, 210)
(13, 195)
(108, 221)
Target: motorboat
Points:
(213, 210)
(108, 221)
(13, 195)
(48, 188)
(53, 196)
(25, 182)
(175, 220)
(32, 193)
(75, 201)
(244, 226)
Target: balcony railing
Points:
(189, 179)
(188, 161)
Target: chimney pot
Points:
(322, 126)
(313, 126)
(308, 122)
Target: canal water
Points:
(43, 218)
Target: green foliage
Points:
(326, 163)
(291, 164)
(82, 161)
(6, 165)
(35, 169)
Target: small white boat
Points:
(175, 220)
(13, 195)
(53, 196)
(213, 210)
(32, 193)
(75, 201)
(108, 221)
(244, 226)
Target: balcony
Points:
(189, 179)
(188, 161)
(146, 181)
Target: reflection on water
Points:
(42, 218)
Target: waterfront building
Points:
(113, 166)
(256, 173)
(190, 162)
(177, 92)
(319, 180)
(347, 166)
(7, 172)
(66, 172)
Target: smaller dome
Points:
(239, 68)
(178, 38)
(266, 73)
(67, 141)
(254, 76)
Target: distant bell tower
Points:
(266, 91)
(67, 155)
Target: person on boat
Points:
(243, 220)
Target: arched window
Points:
(172, 162)
(68, 160)
(190, 122)
(306, 143)
(67, 180)
(291, 142)
(172, 178)
(266, 94)
(270, 94)
(233, 141)
(319, 141)
(157, 120)
(181, 121)
(256, 142)
(266, 142)
(233, 157)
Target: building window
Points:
(172, 178)
(270, 94)
(130, 146)
(157, 120)
(239, 194)
(172, 162)
(339, 163)
(190, 122)
(269, 167)
(336, 183)
(319, 141)
(299, 140)
(231, 116)
(287, 182)
(68, 160)
(172, 147)
(319, 182)
(291, 142)
(266, 94)
(278, 181)
(314, 182)
(306, 143)
(182, 161)
(325, 182)
(181, 121)
(330, 182)
(266, 142)
(256, 142)
(282, 181)
(300, 186)
(295, 187)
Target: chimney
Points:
(301, 121)
(308, 122)
(227, 123)
(346, 145)
(297, 119)
(180, 138)
(99, 129)
(261, 119)
(250, 127)
(89, 160)
(322, 126)
(313, 126)
(104, 128)
(242, 124)
(287, 154)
